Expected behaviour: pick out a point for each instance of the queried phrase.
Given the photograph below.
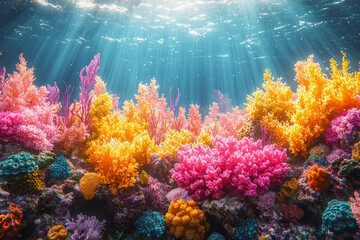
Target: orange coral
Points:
(318, 178)
(88, 185)
(10, 223)
(119, 144)
(19, 90)
(356, 151)
(186, 221)
(57, 232)
(287, 189)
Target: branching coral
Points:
(243, 167)
(25, 113)
(85, 227)
(172, 143)
(119, 145)
(299, 123)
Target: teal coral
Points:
(338, 218)
(317, 159)
(247, 230)
(150, 225)
(60, 169)
(15, 165)
(216, 236)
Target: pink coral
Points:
(19, 90)
(344, 129)
(26, 116)
(194, 121)
(355, 206)
(243, 167)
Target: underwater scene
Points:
(189, 120)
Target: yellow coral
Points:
(186, 221)
(88, 185)
(205, 139)
(57, 232)
(287, 189)
(299, 120)
(144, 178)
(119, 144)
(173, 142)
(276, 99)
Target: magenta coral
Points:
(344, 129)
(87, 83)
(26, 116)
(243, 167)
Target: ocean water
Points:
(196, 46)
(90, 165)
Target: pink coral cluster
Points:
(243, 167)
(344, 129)
(26, 116)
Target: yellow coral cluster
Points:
(173, 142)
(299, 120)
(88, 185)
(186, 221)
(119, 144)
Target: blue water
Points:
(197, 46)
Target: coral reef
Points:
(141, 165)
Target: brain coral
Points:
(17, 164)
(186, 221)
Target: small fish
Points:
(0, 53)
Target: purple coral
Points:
(85, 228)
(87, 83)
(266, 201)
(155, 193)
(344, 129)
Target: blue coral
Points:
(15, 165)
(150, 225)
(216, 236)
(60, 169)
(247, 230)
(338, 218)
